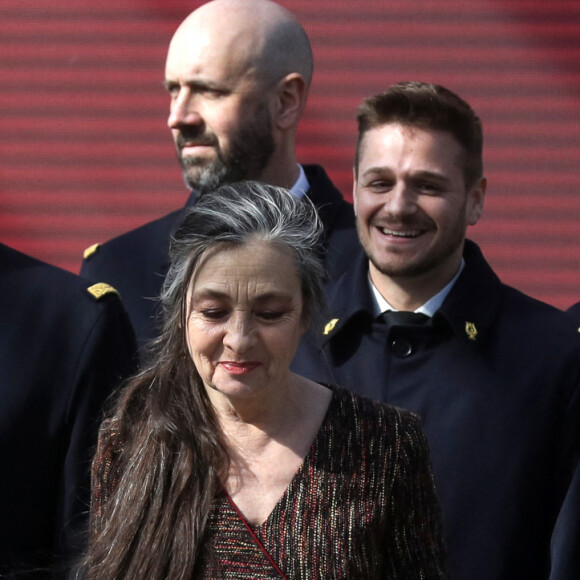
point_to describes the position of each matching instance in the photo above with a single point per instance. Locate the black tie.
(403, 318)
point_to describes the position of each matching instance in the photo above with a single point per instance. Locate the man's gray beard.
(251, 150)
(209, 177)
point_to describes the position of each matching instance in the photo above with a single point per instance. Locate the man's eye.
(172, 89)
(212, 93)
(427, 187)
(379, 185)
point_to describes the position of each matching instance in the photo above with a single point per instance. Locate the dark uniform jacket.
(575, 311)
(136, 262)
(496, 380)
(62, 349)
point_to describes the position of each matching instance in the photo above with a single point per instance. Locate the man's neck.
(282, 171)
(410, 293)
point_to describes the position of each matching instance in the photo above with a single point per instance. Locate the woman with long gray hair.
(218, 461)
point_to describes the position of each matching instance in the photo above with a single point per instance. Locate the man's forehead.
(204, 53)
(400, 132)
(428, 150)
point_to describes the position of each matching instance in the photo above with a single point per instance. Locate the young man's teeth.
(413, 234)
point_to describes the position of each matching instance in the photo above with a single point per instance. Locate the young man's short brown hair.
(426, 106)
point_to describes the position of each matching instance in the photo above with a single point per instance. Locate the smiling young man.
(421, 321)
(413, 207)
(238, 74)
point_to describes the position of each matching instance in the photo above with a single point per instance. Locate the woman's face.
(245, 318)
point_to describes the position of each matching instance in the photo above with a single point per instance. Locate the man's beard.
(428, 260)
(251, 148)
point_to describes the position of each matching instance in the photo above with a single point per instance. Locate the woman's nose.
(240, 333)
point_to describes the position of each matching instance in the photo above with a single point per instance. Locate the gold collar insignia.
(471, 330)
(330, 326)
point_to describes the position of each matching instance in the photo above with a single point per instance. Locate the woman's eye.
(270, 315)
(214, 313)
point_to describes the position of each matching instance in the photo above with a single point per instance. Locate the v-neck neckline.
(261, 528)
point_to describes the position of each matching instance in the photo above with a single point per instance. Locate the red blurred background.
(85, 153)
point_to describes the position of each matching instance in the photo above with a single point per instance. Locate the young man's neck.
(408, 293)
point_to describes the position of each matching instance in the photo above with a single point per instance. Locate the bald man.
(238, 74)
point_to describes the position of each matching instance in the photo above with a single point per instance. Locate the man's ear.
(354, 189)
(291, 94)
(476, 196)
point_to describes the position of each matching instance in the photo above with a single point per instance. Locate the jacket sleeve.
(107, 355)
(417, 546)
(565, 546)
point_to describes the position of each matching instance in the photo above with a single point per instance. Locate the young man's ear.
(354, 189)
(291, 93)
(476, 196)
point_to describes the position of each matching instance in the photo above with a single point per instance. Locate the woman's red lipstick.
(239, 368)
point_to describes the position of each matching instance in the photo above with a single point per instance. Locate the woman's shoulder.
(360, 422)
(104, 469)
(360, 408)
(370, 436)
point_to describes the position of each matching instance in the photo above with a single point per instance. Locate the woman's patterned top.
(361, 506)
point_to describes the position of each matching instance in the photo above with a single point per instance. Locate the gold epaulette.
(100, 290)
(90, 251)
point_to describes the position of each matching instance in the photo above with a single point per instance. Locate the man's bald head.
(265, 40)
(238, 73)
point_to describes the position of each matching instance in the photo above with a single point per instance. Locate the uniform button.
(402, 347)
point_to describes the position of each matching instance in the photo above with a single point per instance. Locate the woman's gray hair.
(235, 214)
(168, 453)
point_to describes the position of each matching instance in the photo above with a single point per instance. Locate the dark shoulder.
(532, 316)
(323, 193)
(32, 282)
(575, 312)
(152, 236)
(337, 216)
(368, 418)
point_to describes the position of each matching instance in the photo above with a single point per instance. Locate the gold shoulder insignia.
(471, 330)
(330, 326)
(97, 291)
(90, 251)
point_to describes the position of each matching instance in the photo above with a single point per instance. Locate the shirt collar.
(381, 305)
(299, 189)
(301, 186)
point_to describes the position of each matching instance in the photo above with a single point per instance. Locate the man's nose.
(183, 110)
(401, 200)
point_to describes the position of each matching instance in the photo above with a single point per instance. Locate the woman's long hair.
(162, 450)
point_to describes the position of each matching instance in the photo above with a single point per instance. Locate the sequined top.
(361, 506)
